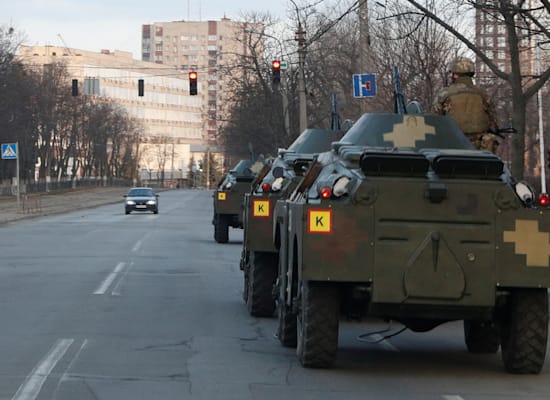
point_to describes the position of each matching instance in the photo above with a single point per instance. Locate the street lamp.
(541, 125)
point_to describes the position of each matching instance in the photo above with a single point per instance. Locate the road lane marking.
(452, 397)
(65, 375)
(110, 278)
(116, 291)
(30, 389)
(139, 243)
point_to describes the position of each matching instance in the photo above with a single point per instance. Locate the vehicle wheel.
(127, 212)
(221, 229)
(244, 266)
(287, 329)
(318, 320)
(481, 336)
(262, 273)
(156, 212)
(524, 331)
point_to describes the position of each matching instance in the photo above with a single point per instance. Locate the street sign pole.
(17, 177)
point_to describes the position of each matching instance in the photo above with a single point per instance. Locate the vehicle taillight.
(325, 192)
(544, 199)
(266, 187)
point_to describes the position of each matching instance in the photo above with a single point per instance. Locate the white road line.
(110, 278)
(379, 339)
(65, 375)
(30, 389)
(116, 289)
(137, 245)
(452, 397)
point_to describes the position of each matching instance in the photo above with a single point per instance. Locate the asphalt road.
(95, 304)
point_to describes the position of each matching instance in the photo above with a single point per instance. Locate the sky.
(94, 25)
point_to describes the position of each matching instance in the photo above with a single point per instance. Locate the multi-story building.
(171, 119)
(207, 47)
(491, 38)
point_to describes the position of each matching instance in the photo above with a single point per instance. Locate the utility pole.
(364, 45)
(300, 38)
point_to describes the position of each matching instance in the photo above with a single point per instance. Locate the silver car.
(141, 199)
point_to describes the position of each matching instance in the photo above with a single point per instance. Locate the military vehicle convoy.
(259, 259)
(228, 198)
(405, 221)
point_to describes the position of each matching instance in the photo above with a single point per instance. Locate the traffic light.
(193, 83)
(140, 87)
(276, 72)
(75, 87)
(548, 158)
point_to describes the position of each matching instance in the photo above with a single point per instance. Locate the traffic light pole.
(300, 38)
(541, 125)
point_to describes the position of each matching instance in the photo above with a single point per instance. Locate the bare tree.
(521, 20)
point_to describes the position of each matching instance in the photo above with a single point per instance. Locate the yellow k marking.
(320, 221)
(406, 134)
(260, 208)
(530, 241)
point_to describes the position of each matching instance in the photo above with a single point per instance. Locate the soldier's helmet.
(462, 65)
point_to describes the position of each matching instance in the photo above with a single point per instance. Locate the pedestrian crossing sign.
(9, 151)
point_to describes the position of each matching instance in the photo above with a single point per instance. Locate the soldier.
(469, 106)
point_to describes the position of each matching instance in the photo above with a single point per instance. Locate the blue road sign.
(9, 151)
(364, 85)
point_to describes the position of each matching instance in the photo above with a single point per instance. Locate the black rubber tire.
(221, 229)
(318, 320)
(244, 261)
(524, 331)
(262, 273)
(287, 330)
(481, 337)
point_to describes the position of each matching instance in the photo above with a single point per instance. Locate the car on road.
(141, 199)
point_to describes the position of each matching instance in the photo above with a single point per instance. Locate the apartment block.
(171, 119)
(207, 47)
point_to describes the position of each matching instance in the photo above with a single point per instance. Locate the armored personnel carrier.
(405, 221)
(259, 259)
(228, 198)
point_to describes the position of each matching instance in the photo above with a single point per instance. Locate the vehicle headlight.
(151, 202)
(131, 202)
(340, 188)
(277, 184)
(525, 192)
(228, 185)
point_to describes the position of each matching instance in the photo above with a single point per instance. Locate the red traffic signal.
(193, 88)
(276, 72)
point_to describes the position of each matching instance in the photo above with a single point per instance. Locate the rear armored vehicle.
(228, 198)
(259, 259)
(404, 220)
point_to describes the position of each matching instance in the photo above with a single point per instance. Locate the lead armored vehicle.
(259, 259)
(228, 198)
(412, 224)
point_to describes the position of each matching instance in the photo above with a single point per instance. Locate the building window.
(501, 41)
(212, 37)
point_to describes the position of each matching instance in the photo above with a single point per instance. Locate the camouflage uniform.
(471, 109)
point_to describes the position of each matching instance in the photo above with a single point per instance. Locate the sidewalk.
(56, 202)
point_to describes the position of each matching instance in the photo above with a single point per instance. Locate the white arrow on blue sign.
(9, 151)
(364, 85)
